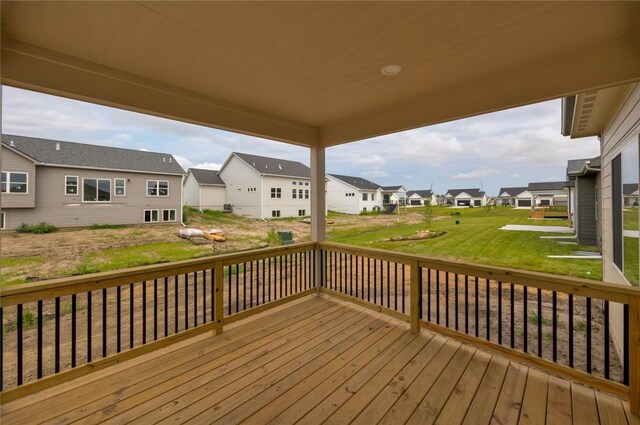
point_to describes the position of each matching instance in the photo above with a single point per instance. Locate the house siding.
(586, 223)
(54, 207)
(12, 162)
(239, 177)
(287, 206)
(624, 124)
(212, 197)
(191, 192)
(337, 199)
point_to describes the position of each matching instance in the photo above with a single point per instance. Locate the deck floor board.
(319, 360)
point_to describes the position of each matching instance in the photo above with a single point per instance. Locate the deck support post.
(218, 296)
(318, 209)
(634, 355)
(415, 297)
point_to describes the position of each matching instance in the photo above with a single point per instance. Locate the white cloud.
(371, 160)
(477, 174)
(208, 165)
(184, 162)
(374, 173)
(144, 149)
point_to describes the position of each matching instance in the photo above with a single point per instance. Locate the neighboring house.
(465, 198)
(630, 195)
(352, 195)
(204, 189)
(263, 187)
(584, 199)
(613, 114)
(421, 197)
(548, 194)
(518, 197)
(73, 184)
(394, 195)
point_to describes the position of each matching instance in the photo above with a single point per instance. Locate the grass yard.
(630, 219)
(478, 239)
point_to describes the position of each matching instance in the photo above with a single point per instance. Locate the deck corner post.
(634, 354)
(415, 297)
(318, 209)
(218, 296)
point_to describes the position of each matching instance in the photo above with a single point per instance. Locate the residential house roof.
(474, 193)
(512, 191)
(357, 182)
(630, 189)
(538, 186)
(207, 177)
(82, 155)
(577, 167)
(274, 166)
(392, 188)
(422, 193)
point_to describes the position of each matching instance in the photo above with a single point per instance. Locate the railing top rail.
(35, 291)
(565, 284)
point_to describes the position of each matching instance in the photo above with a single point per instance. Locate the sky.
(501, 149)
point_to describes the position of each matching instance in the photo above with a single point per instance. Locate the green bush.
(36, 228)
(186, 212)
(107, 226)
(273, 238)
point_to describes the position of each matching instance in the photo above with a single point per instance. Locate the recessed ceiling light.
(391, 70)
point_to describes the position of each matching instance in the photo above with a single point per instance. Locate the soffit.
(311, 70)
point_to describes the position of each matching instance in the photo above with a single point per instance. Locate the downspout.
(182, 202)
(262, 196)
(200, 197)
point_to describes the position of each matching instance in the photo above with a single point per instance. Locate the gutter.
(182, 202)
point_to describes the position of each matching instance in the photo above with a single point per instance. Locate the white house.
(518, 197)
(421, 197)
(204, 189)
(465, 198)
(549, 193)
(394, 195)
(352, 195)
(263, 187)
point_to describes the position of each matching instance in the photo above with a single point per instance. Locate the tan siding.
(191, 192)
(11, 161)
(213, 197)
(53, 206)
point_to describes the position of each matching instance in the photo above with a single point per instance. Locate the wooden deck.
(319, 360)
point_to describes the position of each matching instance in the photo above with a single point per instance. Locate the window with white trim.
(275, 213)
(13, 182)
(151, 216)
(364, 197)
(119, 187)
(169, 215)
(157, 188)
(299, 193)
(302, 213)
(306, 194)
(294, 193)
(96, 190)
(70, 185)
(276, 192)
(3, 223)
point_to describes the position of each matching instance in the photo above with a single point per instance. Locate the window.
(364, 209)
(364, 197)
(3, 223)
(250, 189)
(302, 213)
(157, 188)
(373, 197)
(306, 183)
(294, 183)
(168, 215)
(306, 194)
(71, 185)
(276, 192)
(96, 190)
(293, 193)
(275, 213)
(151, 216)
(14, 182)
(119, 187)
(299, 193)
(625, 183)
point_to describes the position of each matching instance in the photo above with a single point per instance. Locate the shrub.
(186, 211)
(427, 214)
(107, 226)
(36, 228)
(273, 238)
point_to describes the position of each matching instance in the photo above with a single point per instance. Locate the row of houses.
(535, 194)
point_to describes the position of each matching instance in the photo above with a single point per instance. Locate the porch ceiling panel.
(309, 73)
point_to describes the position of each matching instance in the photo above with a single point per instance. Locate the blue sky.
(507, 148)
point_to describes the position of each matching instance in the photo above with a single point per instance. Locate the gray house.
(73, 184)
(584, 199)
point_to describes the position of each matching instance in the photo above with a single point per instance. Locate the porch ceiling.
(309, 73)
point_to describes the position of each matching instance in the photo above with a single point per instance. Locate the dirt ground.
(65, 250)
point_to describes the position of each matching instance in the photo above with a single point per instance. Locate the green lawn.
(630, 219)
(478, 239)
(631, 267)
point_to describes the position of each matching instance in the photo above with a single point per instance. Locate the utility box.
(286, 237)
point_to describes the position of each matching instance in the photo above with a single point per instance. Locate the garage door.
(416, 202)
(463, 202)
(524, 202)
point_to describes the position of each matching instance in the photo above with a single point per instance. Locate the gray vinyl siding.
(12, 162)
(53, 206)
(586, 212)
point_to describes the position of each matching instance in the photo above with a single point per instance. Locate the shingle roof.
(358, 182)
(512, 191)
(576, 166)
(629, 189)
(546, 185)
(207, 177)
(474, 193)
(391, 188)
(422, 193)
(275, 166)
(54, 152)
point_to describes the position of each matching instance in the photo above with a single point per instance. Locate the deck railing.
(561, 324)
(83, 323)
(79, 324)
